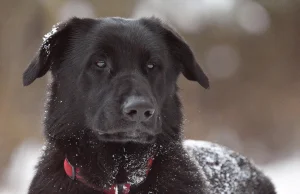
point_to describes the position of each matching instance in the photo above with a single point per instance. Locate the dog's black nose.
(138, 109)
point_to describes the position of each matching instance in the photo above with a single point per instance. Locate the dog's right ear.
(52, 49)
(179, 49)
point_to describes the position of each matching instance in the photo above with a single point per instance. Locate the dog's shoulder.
(227, 171)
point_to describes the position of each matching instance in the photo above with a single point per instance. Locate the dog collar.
(74, 174)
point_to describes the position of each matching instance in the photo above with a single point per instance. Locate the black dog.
(113, 119)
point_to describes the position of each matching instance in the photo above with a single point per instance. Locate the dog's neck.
(106, 164)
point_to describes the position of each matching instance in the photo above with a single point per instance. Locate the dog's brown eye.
(100, 64)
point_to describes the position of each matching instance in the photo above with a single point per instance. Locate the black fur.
(84, 121)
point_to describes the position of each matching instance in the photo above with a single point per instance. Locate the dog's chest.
(133, 168)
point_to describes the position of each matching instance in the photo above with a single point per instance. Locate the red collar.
(73, 173)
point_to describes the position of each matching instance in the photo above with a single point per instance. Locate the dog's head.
(114, 76)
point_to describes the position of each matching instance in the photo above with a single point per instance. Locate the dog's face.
(113, 76)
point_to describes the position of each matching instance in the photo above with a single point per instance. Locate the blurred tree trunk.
(20, 29)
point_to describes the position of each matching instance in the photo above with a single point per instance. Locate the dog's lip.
(129, 131)
(128, 137)
(129, 134)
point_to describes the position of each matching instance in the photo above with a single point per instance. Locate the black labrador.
(113, 118)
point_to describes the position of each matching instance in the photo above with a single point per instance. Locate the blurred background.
(249, 49)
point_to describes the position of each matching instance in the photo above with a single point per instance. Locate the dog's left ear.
(41, 62)
(180, 51)
(53, 48)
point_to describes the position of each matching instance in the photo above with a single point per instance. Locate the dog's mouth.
(124, 137)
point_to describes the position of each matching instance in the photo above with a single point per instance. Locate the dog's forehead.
(126, 35)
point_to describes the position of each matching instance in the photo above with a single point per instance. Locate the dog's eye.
(150, 66)
(100, 64)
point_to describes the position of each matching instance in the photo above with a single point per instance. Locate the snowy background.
(249, 49)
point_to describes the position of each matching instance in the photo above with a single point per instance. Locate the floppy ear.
(51, 49)
(180, 51)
